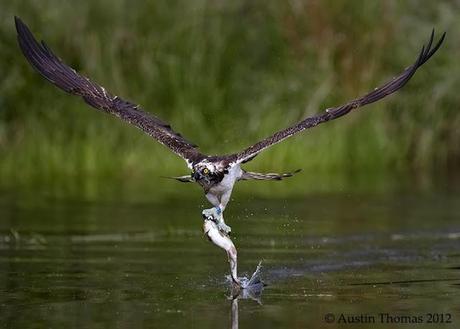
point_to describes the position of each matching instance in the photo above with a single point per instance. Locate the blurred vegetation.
(225, 74)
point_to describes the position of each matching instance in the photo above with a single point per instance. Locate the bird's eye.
(205, 171)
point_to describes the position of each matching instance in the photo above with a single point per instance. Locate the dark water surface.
(74, 264)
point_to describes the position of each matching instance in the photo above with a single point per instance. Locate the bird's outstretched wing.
(333, 113)
(54, 70)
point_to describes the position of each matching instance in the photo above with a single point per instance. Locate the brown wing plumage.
(66, 78)
(336, 112)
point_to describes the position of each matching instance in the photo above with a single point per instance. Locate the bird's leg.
(222, 204)
(212, 213)
(220, 221)
(216, 214)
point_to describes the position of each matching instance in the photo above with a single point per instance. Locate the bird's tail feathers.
(248, 175)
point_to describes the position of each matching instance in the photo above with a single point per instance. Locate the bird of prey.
(216, 174)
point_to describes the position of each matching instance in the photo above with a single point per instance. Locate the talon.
(215, 215)
(210, 214)
(237, 283)
(224, 227)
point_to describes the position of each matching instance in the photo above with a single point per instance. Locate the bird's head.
(206, 172)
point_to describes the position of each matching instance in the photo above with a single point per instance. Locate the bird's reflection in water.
(234, 313)
(253, 291)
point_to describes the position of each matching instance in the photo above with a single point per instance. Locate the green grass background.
(225, 74)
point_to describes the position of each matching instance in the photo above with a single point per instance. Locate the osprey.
(216, 174)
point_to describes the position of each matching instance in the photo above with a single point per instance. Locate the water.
(117, 264)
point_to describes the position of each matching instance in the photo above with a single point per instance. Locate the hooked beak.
(197, 176)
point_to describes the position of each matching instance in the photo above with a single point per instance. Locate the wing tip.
(428, 50)
(18, 22)
(21, 27)
(292, 173)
